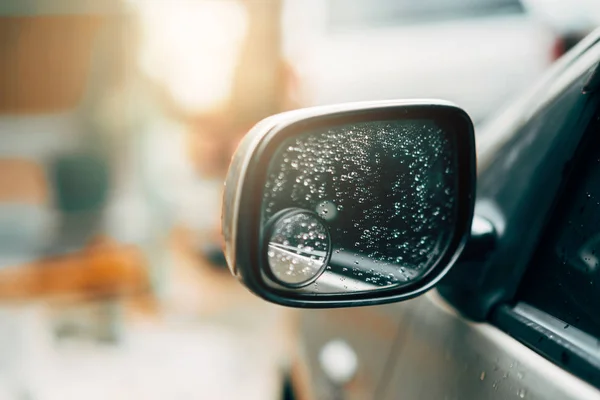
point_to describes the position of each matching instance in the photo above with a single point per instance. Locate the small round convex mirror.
(298, 247)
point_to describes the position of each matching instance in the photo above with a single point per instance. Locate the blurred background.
(117, 122)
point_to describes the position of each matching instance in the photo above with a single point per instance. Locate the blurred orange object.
(104, 269)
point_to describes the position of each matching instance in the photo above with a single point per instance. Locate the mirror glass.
(358, 207)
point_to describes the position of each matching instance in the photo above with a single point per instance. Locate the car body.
(363, 50)
(492, 329)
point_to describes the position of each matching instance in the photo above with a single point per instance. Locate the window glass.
(564, 279)
(375, 13)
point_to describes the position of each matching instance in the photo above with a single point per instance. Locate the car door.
(366, 335)
(532, 330)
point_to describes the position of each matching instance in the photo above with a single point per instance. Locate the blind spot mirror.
(298, 247)
(354, 204)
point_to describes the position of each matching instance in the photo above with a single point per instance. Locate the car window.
(358, 14)
(564, 278)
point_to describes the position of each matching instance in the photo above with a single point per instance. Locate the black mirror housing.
(352, 204)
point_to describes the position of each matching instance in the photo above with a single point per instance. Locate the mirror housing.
(376, 200)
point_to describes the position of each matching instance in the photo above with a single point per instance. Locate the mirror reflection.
(383, 192)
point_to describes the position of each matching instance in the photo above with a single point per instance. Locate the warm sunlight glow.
(192, 47)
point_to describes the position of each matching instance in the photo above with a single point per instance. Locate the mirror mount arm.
(482, 241)
(467, 275)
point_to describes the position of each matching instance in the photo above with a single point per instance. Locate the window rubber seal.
(568, 347)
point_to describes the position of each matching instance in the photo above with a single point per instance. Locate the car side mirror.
(354, 204)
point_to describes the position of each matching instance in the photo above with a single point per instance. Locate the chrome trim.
(576, 337)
